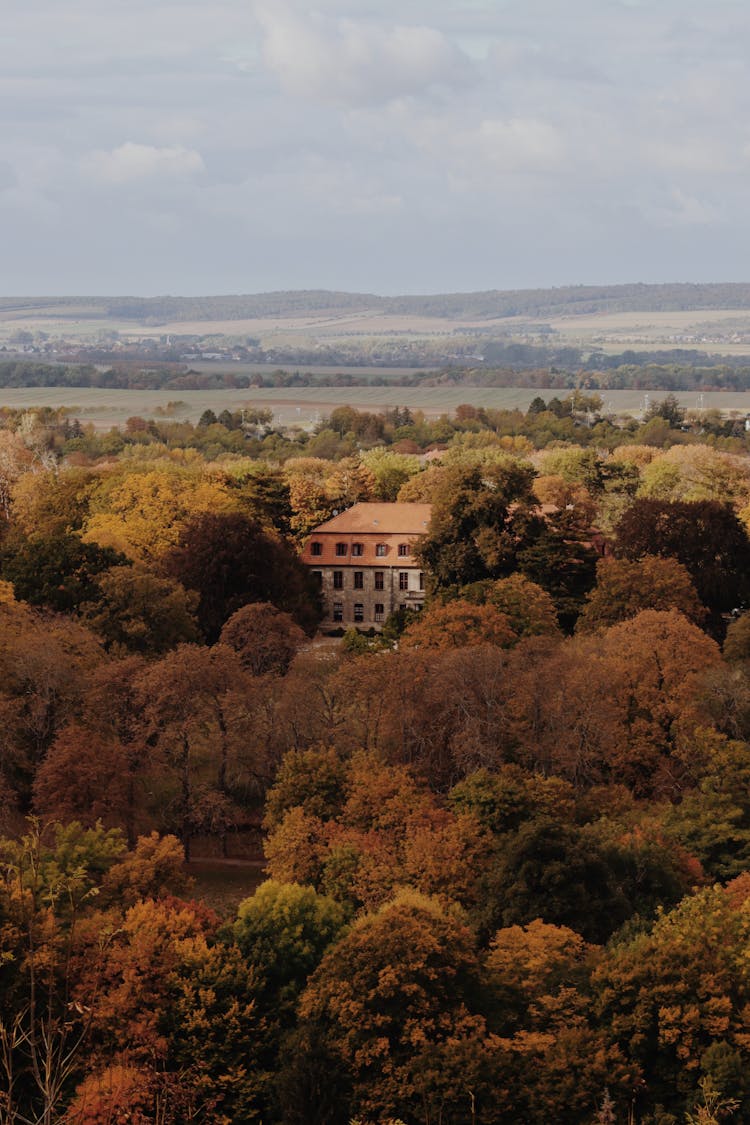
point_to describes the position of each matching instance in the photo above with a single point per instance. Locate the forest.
(503, 364)
(563, 300)
(506, 840)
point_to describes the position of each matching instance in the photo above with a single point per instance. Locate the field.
(725, 329)
(305, 406)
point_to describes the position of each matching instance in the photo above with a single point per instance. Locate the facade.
(363, 561)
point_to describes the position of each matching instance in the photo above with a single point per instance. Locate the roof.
(381, 533)
(382, 519)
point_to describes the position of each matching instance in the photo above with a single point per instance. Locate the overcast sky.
(390, 146)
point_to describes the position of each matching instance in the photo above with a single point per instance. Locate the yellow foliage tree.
(143, 513)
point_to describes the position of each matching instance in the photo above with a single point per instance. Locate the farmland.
(606, 318)
(305, 406)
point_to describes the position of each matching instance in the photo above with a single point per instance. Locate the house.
(363, 561)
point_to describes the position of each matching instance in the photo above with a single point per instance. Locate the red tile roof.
(391, 519)
(370, 526)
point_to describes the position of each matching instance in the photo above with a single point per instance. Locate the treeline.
(506, 365)
(383, 451)
(161, 375)
(567, 300)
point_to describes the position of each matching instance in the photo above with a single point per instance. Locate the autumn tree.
(84, 777)
(458, 624)
(197, 715)
(425, 487)
(606, 708)
(391, 471)
(530, 609)
(503, 800)
(349, 481)
(265, 638)
(560, 1059)
(624, 588)
(694, 473)
(737, 641)
(16, 460)
(391, 1002)
(313, 780)
(47, 883)
(654, 658)
(669, 1009)
(705, 536)
(142, 514)
(45, 664)
(51, 504)
(180, 1007)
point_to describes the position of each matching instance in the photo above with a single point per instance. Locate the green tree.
(705, 536)
(139, 611)
(230, 561)
(479, 518)
(283, 930)
(59, 573)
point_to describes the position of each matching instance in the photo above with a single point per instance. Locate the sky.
(387, 146)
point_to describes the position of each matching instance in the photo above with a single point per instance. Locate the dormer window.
(340, 549)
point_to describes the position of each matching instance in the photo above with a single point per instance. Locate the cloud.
(682, 209)
(466, 148)
(519, 144)
(8, 178)
(132, 162)
(343, 61)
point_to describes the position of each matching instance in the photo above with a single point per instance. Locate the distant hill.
(573, 300)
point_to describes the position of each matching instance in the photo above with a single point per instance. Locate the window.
(318, 577)
(421, 580)
(403, 580)
(379, 611)
(316, 548)
(380, 550)
(338, 611)
(359, 580)
(403, 550)
(357, 549)
(338, 580)
(379, 576)
(341, 549)
(359, 611)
